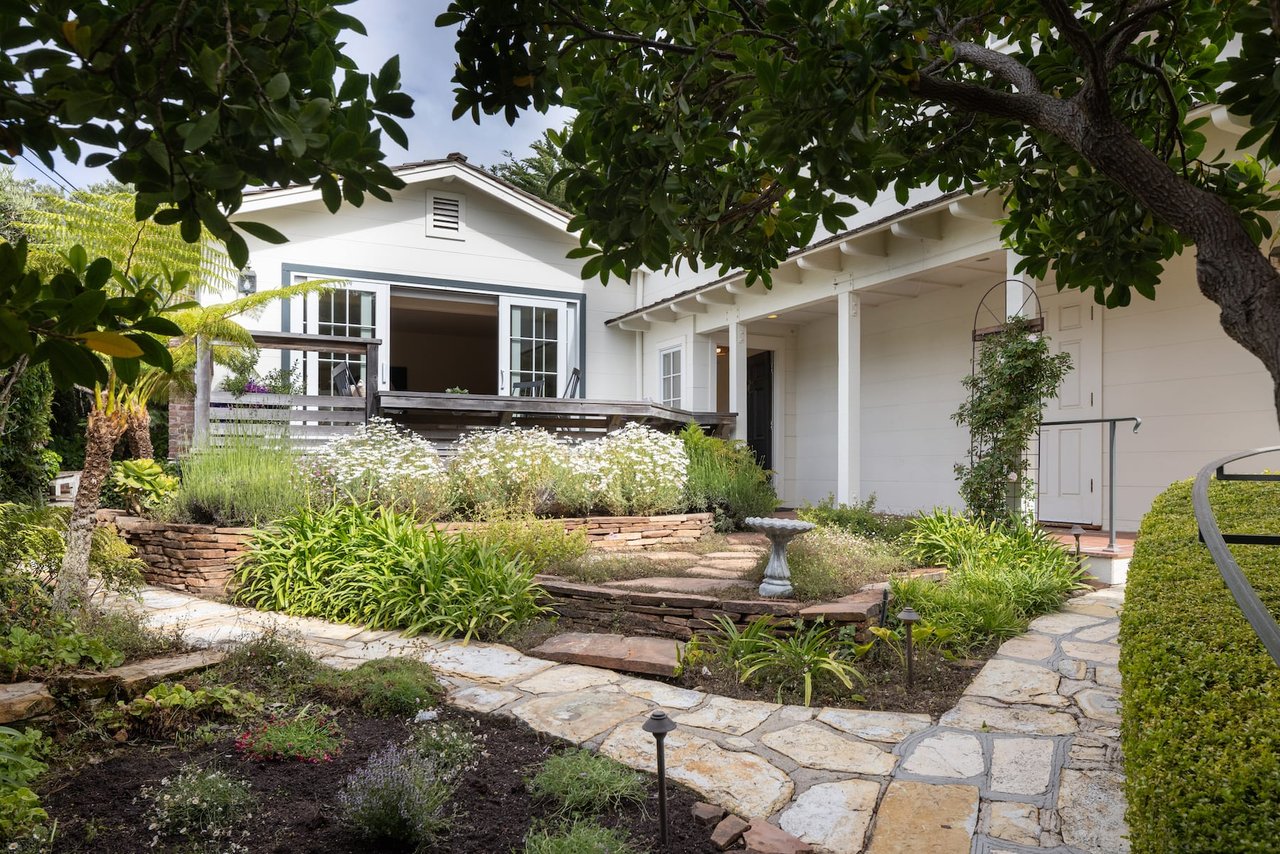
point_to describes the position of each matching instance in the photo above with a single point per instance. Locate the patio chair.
(535, 386)
(571, 387)
(342, 382)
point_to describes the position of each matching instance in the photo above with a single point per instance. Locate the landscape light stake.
(659, 724)
(884, 607)
(909, 617)
(1077, 532)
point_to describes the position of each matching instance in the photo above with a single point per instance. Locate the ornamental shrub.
(508, 472)
(25, 471)
(725, 478)
(205, 805)
(827, 563)
(246, 480)
(633, 471)
(377, 567)
(860, 518)
(383, 463)
(1001, 575)
(1201, 725)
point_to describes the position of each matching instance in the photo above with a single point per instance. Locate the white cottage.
(843, 376)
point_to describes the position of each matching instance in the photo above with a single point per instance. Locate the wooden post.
(371, 386)
(204, 388)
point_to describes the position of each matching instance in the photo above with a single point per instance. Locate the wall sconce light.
(247, 282)
(771, 317)
(720, 351)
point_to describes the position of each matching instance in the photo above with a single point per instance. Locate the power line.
(61, 182)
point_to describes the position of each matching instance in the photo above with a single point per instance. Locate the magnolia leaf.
(111, 344)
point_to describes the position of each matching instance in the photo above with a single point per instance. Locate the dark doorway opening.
(760, 407)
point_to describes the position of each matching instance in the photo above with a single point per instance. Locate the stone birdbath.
(777, 575)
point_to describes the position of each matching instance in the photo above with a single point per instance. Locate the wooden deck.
(443, 417)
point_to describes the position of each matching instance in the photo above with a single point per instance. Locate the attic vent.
(445, 215)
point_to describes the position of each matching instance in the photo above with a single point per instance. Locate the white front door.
(1070, 484)
(533, 351)
(358, 310)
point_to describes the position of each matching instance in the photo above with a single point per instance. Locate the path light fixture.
(909, 617)
(1077, 532)
(659, 724)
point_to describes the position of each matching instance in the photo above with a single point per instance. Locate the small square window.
(671, 374)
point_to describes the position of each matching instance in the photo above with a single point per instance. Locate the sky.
(407, 28)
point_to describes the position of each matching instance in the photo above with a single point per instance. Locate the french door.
(358, 310)
(534, 353)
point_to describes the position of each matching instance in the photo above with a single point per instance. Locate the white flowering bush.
(633, 471)
(385, 464)
(507, 472)
(197, 804)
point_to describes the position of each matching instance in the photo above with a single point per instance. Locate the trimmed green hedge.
(1201, 730)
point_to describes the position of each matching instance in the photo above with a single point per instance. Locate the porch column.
(204, 388)
(738, 377)
(848, 398)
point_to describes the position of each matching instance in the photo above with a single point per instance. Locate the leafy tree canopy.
(536, 172)
(727, 131)
(188, 103)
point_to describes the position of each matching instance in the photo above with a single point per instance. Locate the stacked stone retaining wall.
(195, 558)
(680, 615)
(630, 532)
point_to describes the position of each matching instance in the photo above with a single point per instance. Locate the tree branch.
(1028, 108)
(1078, 37)
(997, 63)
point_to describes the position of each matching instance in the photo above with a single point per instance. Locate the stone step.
(22, 700)
(131, 680)
(649, 655)
(678, 584)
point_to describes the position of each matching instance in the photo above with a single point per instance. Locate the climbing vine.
(1014, 377)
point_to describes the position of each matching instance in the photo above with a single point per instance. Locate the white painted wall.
(1200, 394)
(502, 246)
(814, 412)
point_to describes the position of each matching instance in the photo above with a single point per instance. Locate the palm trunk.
(104, 430)
(139, 434)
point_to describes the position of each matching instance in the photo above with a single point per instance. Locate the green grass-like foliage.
(724, 478)
(577, 838)
(20, 764)
(387, 687)
(357, 564)
(246, 480)
(1001, 575)
(858, 518)
(830, 562)
(1201, 729)
(309, 735)
(798, 660)
(584, 784)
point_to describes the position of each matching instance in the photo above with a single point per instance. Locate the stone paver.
(1028, 758)
(741, 782)
(948, 754)
(921, 818)
(834, 816)
(656, 656)
(891, 727)
(814, 746)
(735, 717)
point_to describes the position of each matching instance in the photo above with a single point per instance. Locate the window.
(535, 349)
(345, 312)
(446, 215)
(670, 372)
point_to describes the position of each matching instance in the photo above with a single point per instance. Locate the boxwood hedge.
(1201, 731)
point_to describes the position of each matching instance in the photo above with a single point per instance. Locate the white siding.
(815, 412)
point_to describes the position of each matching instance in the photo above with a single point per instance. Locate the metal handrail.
(1111, 485)
(1259, 617)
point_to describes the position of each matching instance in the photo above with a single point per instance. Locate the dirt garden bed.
(99, 808)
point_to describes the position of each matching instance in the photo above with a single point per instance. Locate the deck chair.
(571, 387)
(343, 385)
(535, 386)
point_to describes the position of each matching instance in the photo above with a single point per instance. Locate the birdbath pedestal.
(777, 575)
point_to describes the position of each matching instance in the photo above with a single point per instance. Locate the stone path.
(1028, 760)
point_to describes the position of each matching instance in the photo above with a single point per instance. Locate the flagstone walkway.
(1028, 760)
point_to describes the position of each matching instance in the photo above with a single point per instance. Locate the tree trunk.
(139, 434)
(104, 430)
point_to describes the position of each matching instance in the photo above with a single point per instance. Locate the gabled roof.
(452, 168)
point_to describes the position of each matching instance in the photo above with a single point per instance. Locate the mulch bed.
(937, 687)
(98, 807)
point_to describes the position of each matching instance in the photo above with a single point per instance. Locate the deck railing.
(1255, 611)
